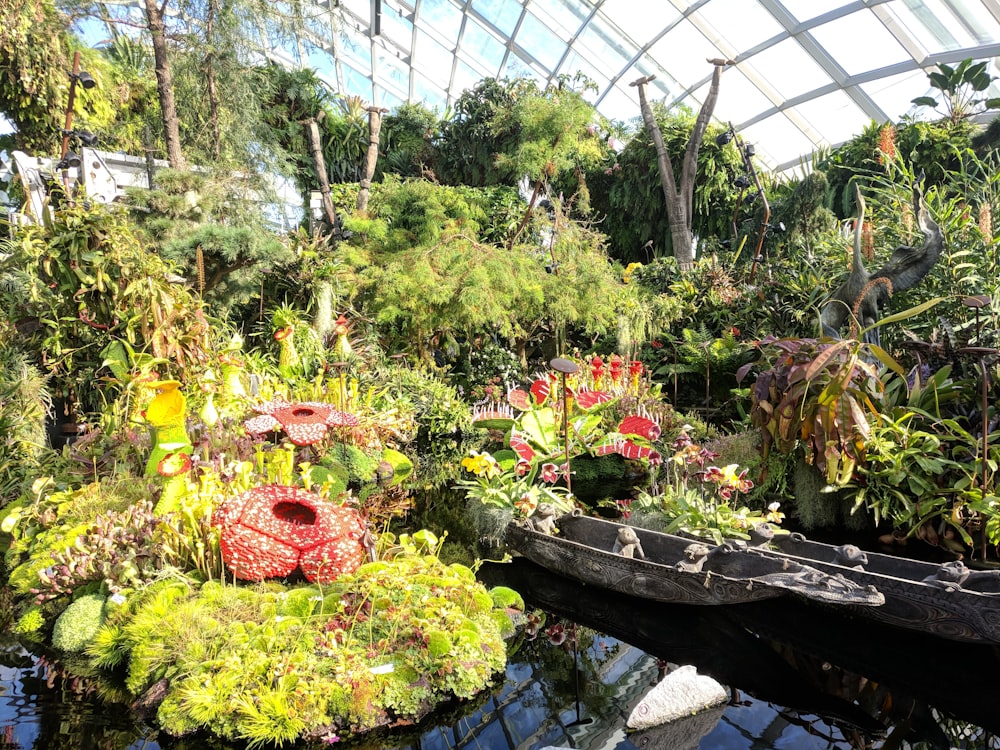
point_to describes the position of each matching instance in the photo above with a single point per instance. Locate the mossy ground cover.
(265, 663)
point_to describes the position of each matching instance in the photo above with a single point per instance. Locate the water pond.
(799, 678)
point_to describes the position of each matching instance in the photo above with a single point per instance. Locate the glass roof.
(808, 73)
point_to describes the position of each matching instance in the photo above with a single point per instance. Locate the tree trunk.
(165, 84)
(371, 158)
(536, 191)
(679, 200)
(689, 170)
(316, 145)
(213, 93)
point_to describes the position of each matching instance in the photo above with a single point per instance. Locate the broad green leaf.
(908, 313)
(887, 359)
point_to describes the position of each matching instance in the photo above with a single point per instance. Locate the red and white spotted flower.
(274, 530)
(305, 422)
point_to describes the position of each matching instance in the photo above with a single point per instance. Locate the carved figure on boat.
(627, 544)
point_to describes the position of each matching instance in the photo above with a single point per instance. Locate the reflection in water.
(42, 710)
(801, 677)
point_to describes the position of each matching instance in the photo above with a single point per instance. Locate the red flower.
(616, 368)
(270, 531)
(305, 422)
(656, 344)
(596, 367)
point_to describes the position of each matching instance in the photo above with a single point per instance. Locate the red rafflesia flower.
(271, 531)
(305, 422)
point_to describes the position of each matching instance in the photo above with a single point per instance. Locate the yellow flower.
(729, 476)
(481, 464)
(773, 514)
(629, 270)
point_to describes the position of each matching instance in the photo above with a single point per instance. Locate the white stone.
(682, 692)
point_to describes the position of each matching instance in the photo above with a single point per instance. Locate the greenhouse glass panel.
(361, 8)
(466, 77)
(860, 42)
(738, 97)
(788, 69)
(428, 94)
(740, 24)
(563, 16)
(836, 117)
(895, 94)
(396, 27)
(441, 18)
(435, 59)
(486, 47)
(605, 46)
(540, 41)
(503, 14)
(779, 141)
(940, 26)
(683, 55)
(805, 10)
(640, 24)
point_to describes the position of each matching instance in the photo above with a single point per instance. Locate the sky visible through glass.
(808, 73)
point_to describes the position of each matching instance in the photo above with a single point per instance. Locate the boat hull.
(946, 600)
(584, 549)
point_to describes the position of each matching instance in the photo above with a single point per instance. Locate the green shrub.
(79, 623)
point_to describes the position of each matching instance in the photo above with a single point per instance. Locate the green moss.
(174, 718)
(29, 623)
(79, 623)
(504, 597)
(270, 664)
(333, 476)
(818, 508)
(438, 643)
(483, 601)
(360, 466)
(301, 602)
(505, 623)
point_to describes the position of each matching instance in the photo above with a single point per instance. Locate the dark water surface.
(800, 678)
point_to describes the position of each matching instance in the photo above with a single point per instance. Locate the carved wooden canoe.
(667, 568)
(947, 599)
